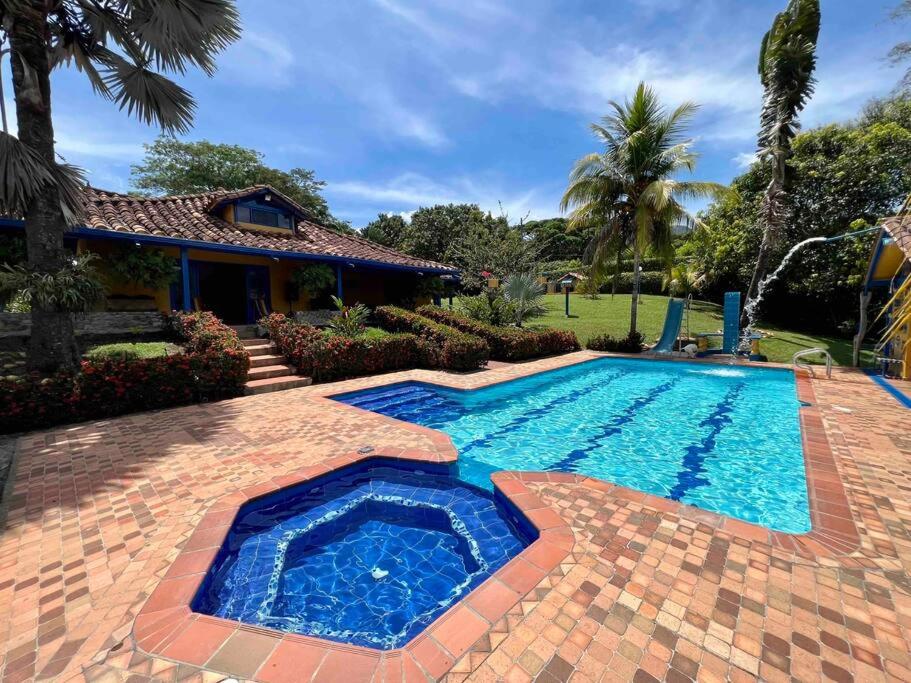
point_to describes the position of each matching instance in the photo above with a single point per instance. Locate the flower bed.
(324, 357)
(214, 365)
(507, 343)
(446, 346)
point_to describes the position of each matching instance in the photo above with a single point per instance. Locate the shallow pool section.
(723, 438)
(368, 556)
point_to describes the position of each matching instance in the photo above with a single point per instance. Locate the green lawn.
(131, 351)
(611, 315)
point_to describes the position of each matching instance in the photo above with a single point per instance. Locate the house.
(235, 252)
(890, 264)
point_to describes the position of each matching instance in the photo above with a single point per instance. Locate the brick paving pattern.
(652, 590)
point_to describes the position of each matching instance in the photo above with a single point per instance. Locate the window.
(262, 215)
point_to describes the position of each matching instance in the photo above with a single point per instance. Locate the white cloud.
(744, 160)
(409, 191)
(392, 117)
(260, 58)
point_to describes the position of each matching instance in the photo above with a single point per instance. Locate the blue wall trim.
(896, 393)
(95, 233)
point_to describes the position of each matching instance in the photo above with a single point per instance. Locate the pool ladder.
(809, 368)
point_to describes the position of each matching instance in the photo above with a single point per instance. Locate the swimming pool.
(723, 438)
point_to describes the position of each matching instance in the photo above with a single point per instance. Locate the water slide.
(671, 327)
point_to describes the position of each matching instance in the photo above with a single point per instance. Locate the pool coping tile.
(167, 627)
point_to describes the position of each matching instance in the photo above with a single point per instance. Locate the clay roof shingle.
(188, 217)
(899, 227)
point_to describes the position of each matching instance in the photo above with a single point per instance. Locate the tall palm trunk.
(52, 344)
(634, 299)
(772, 216)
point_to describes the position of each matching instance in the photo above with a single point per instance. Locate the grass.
(611, 315)
(131, 351)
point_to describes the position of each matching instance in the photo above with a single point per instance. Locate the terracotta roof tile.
(187, 217)
(899, 227)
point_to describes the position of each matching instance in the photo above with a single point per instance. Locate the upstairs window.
(262, 215)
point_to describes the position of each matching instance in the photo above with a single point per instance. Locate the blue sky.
(403, 103)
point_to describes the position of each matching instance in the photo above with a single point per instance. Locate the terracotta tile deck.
(101, 513)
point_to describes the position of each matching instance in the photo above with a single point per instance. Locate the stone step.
(254, 341)
(265, 386)
(244, 331)
(266, 359)
(267, 371)
(262, 350)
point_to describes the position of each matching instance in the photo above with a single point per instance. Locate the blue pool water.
(723, 438)
(369, 556)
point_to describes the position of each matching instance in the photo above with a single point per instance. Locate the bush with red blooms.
(507, 343)
(445, 347)
(324, 357)
(214, 365)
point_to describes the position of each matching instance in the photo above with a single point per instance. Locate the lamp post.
(567, 283)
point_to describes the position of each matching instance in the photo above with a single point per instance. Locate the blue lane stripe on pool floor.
(571, 461)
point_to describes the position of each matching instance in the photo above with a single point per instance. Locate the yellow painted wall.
(890, 260)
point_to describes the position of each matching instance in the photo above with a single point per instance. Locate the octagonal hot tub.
(368, 555)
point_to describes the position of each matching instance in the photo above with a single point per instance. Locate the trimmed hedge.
(507, 343)
(446, 346)
(214, 365)
(631, 343)
(324, 357)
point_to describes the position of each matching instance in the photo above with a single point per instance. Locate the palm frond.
(153, 97)
(24, 174)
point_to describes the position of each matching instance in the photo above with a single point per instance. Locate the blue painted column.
(339, 292)
(185, 278)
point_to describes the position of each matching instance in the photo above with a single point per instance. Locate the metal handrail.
(807, 366)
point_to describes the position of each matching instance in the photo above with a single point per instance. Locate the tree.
(629, 191)
(388, 229)
(494, 248)
(434, 230)
(173, 166)
(123, 49)
(844, 176)
(787, 58)
(556, 242)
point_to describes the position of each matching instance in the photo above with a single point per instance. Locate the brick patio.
(99, 513)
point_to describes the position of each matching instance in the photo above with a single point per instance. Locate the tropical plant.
(526, 296)
(629, 191)
(313, 278)
(488, 307)
(351, 321)
(683, 279)
(143, 267)
(787, 59)
(123, 49)
(75, 287)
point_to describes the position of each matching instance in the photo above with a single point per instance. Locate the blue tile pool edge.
(893, 391)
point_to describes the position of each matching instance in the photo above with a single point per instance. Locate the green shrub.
(325, 356)
(631, 343)
(214, 365)
(128, 351)
(446, 346)
(507, 343)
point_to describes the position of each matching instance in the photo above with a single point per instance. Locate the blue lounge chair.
(730, 336)
(671, 327)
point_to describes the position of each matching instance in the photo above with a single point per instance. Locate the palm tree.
(787, 59)
(122, 48)
(629, 190)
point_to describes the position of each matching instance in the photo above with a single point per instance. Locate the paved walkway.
(652, 590)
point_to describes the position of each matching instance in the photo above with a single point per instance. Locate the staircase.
(269, 370)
